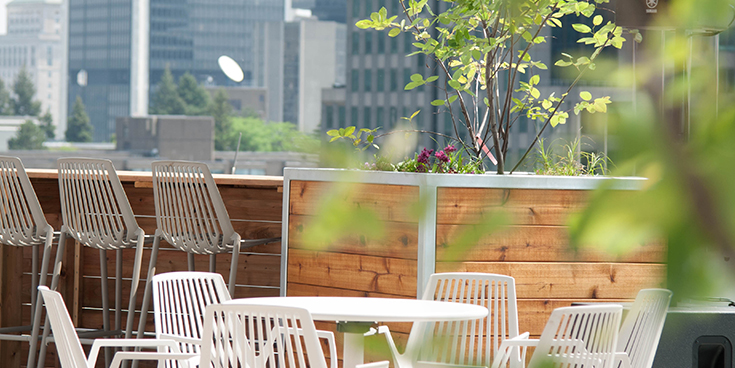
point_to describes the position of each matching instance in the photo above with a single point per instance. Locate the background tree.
(261, 136)
(47, 124)
(24, 91)
(195, 97)
(166, 100)
(78, 128)
(6, 107)
(29, 137)
(221, 110)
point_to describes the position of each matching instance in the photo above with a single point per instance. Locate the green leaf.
(597, 20)
(411, 86)
(563, 63)
(348, 131)
(581, 28)
(534, 80)
(364, 24)
(333, 132)
(431, 79)
(454, 84)
(546, 104)
(585, 95)
(394, 32)
(414, 114)
(418, 78)
(434, 103)
(555, 22)
(452, 99)
(535, 93)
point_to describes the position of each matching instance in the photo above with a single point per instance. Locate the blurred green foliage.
(688, 201)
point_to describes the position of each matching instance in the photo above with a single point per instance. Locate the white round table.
(360, 309)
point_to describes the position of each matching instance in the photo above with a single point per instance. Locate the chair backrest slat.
(190, 213)
(641, 329)
(582, 336)
(179, 302)
(467, 342)
(94, 207)
(68, 346)
(22, 222)
(259, 337)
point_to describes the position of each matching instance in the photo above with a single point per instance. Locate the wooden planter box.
(534, 249)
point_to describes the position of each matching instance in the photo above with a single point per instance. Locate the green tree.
(47, 124)
(78, 128)
(29, 137)
(260, 136)
(6, 107)
(221, 110)
(195, 97)
(166, 100)
(25, 91)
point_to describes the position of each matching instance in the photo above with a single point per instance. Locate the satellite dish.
(82, 78)
(231, 69)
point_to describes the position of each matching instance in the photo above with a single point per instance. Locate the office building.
(123, 46)
(34, 42)
(314, 59)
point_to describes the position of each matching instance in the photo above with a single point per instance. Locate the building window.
(355, 80)
(353, 116)
(394, 45)
(381, 43)
(368, 43)
(380, 117)
(406, 76)
(342, 119)
(50, 57)
(393, 80)
(356, 9)
(368, 7)
(368, 80)
(408, 43)
(330, 118)
(355, 43)
(393, 118)
(381, 80)
(367, 118)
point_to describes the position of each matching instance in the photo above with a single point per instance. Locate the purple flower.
(450, 148)
(424, 156)
(442, 156)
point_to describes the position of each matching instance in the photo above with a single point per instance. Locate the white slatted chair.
(641, 329)
(22, 224)
(574, 337)
(461, 343)
(179, 302)
(96, 213)
(258, 336)
(71, 354)
(191, 217)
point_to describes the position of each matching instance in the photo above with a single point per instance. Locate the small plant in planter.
(481, 49)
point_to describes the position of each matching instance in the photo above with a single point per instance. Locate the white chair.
(641, 329)
(471, 343)
(69, 348)
(22, 224)
(96, 213)
(191, 217)
(179, 302)
(574, 337)
(258, 336)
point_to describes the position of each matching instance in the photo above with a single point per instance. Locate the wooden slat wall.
(534, 249)
(253, 203)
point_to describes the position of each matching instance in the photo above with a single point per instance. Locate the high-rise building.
(314, 59)
(376, 74)
(123, 46)
(330, 10)
(34, 42)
